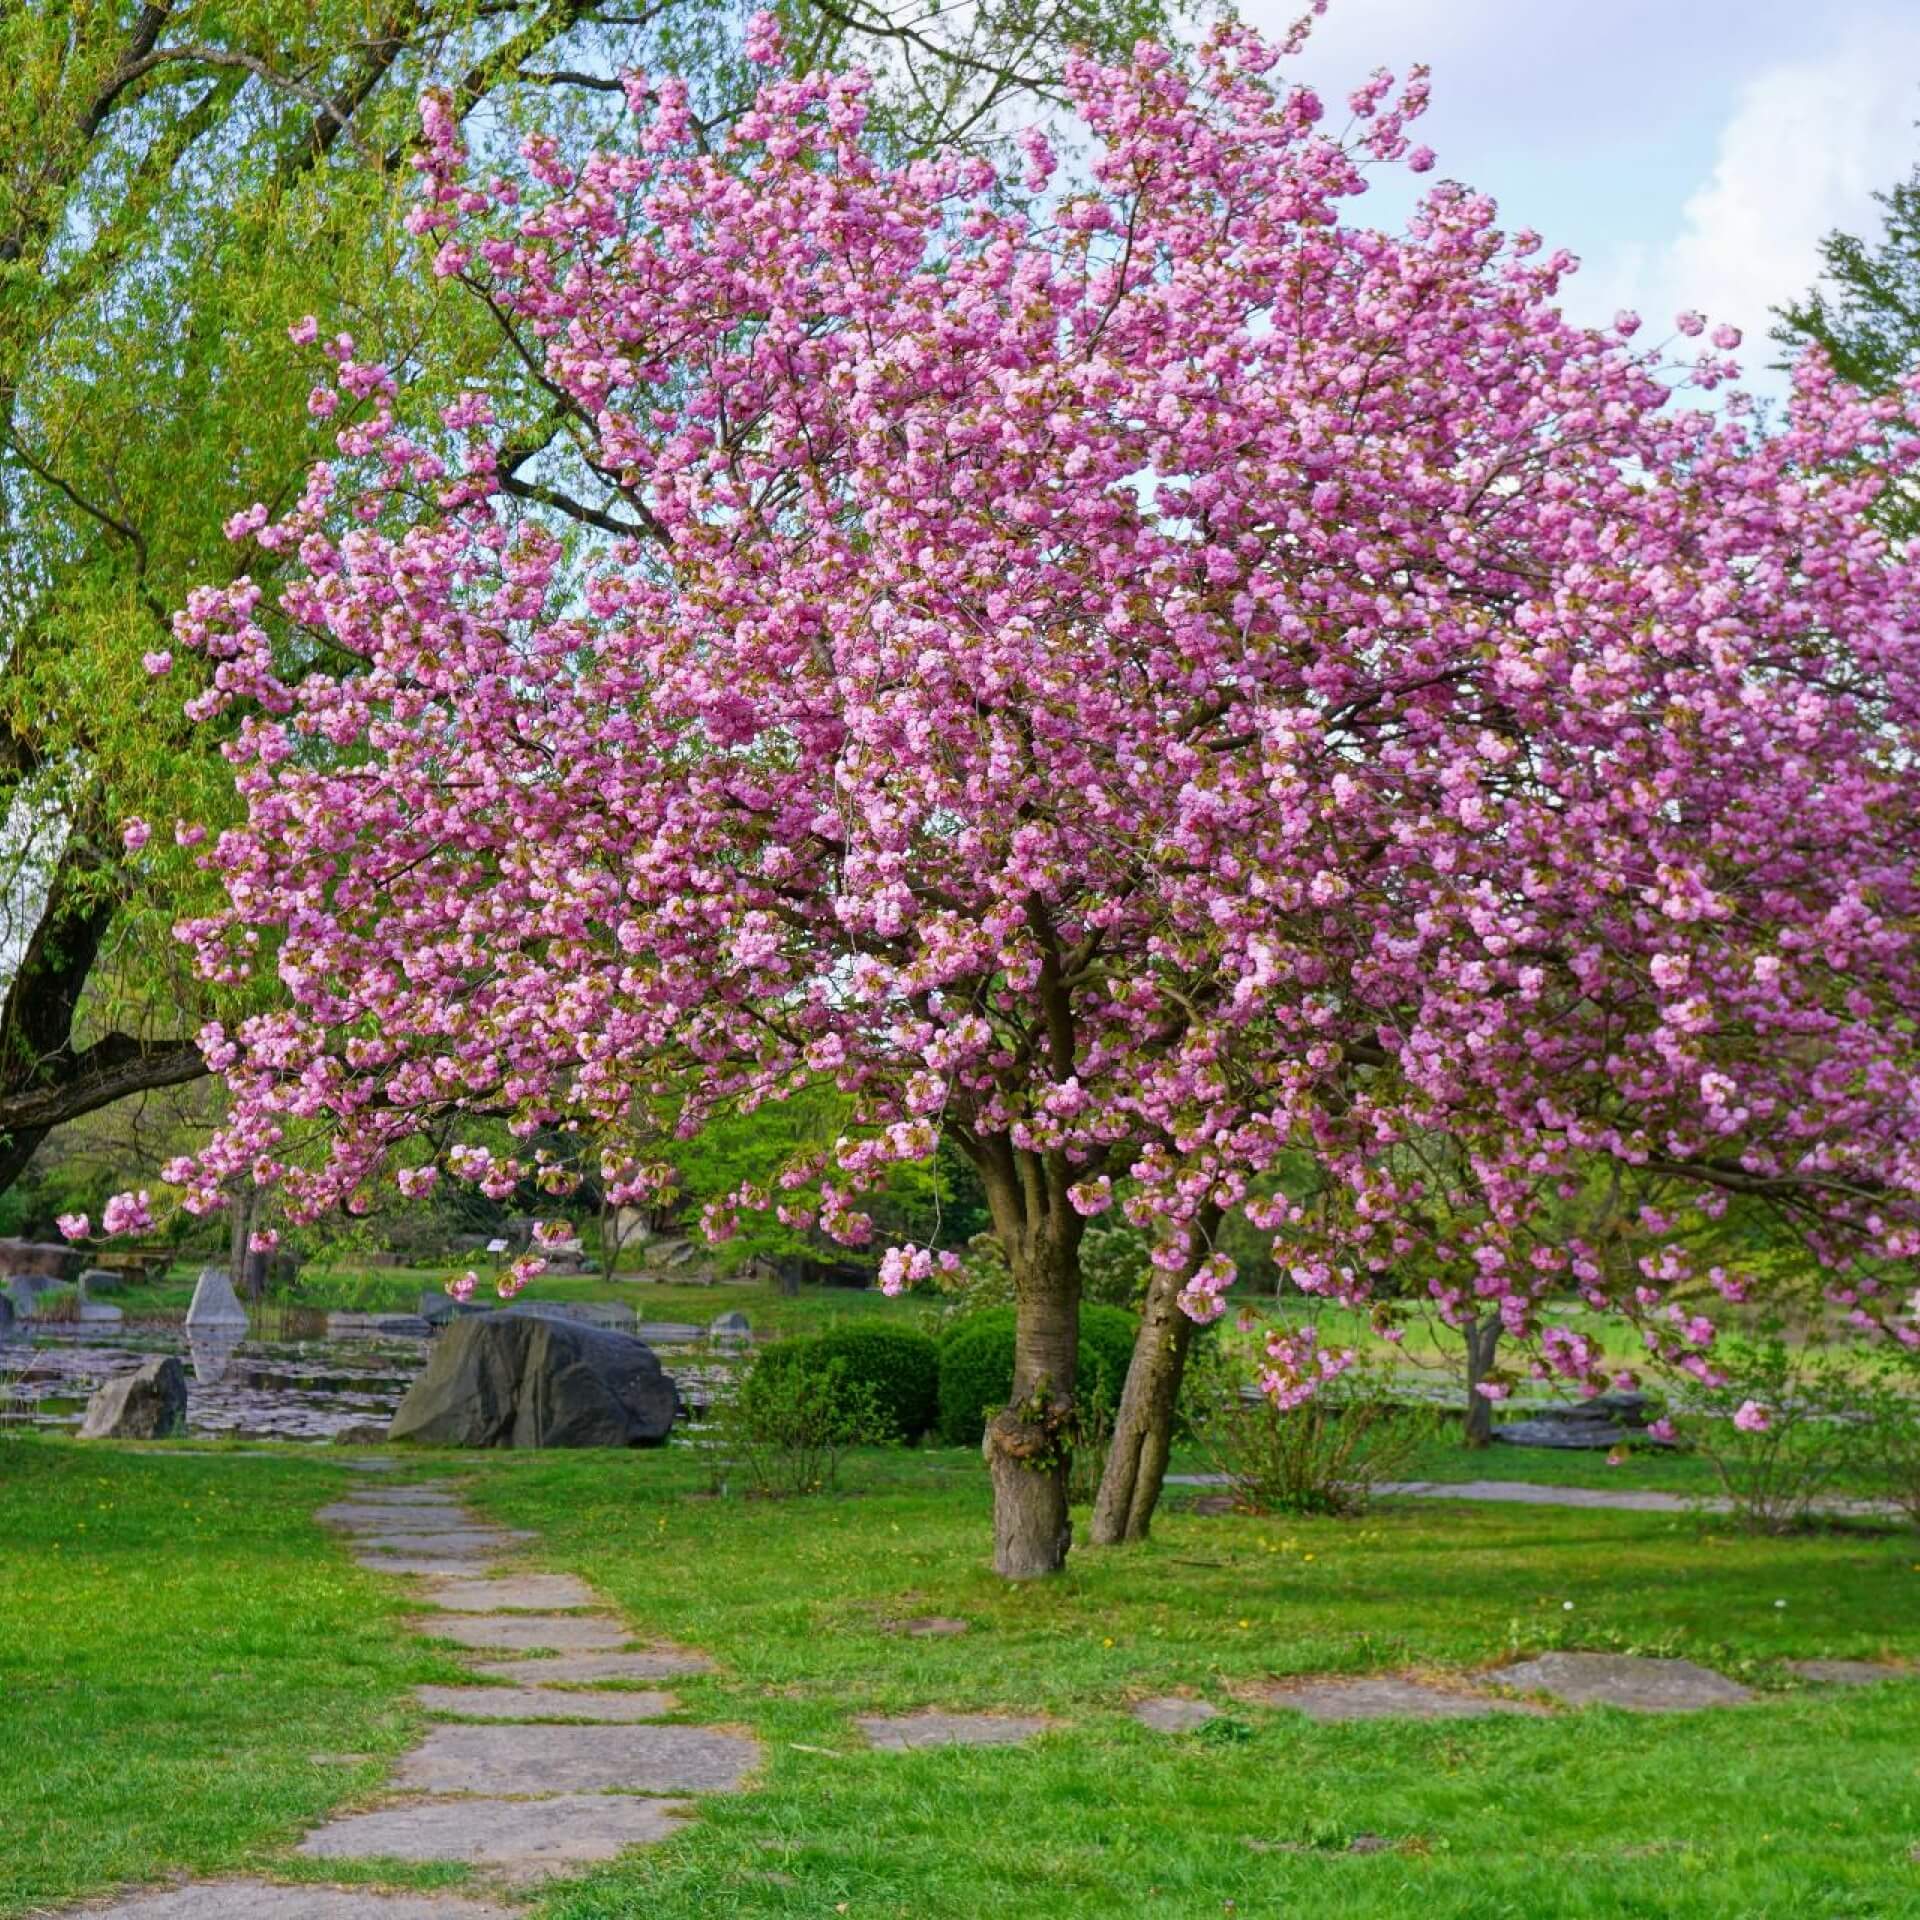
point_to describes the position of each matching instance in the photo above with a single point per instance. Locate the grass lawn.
(183, 1656)
(185, 1659)
(390, 1290)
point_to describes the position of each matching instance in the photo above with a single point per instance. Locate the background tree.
(1865, 315)
(179, 179)
(1139, 678)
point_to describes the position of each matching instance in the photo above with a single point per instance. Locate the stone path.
(1527, 1493)
(551, 1771)
(560, 1765)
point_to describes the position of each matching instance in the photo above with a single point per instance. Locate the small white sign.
(496, 1246)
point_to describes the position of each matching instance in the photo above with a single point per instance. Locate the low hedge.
(976, 1366)
(901, 1366)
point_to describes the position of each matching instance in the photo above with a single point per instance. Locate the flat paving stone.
(1624, 1680)
(1847, 1673)
(526, 1632)
(545, 1703)
(1332, 1697)
(425, 1517)
(261, 1900)
(1174, 1714)
(898, 1733)
(413, 1496)
(931, 1626)
(514, 1593)
(425, 1566)
(597, 1669)
(519, 1840)
(457, 1543)
(546, 1759)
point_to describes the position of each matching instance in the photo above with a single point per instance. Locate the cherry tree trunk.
(1143, 1425)
(1029, 1443)
(1482, 1337)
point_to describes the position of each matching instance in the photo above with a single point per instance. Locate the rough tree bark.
(1136, 1466)
(1028, 1445)
(1482, 1337)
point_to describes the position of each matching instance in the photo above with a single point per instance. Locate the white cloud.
(1808, 144)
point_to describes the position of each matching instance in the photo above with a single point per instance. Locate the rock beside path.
(149, 1403)
(513, 1379)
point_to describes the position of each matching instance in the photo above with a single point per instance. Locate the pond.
(262, 1389)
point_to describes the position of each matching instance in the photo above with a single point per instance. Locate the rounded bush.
(900, 1365)
(976, 1366)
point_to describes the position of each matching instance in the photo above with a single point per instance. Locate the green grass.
(389, 1290)
(1611, 1815)
(179, 1647)
(183, 1642)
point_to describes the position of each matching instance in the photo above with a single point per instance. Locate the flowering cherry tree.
(1127, 668)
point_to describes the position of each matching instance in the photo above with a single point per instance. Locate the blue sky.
(1692, 152)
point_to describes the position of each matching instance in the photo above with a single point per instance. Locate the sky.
(1691, 152)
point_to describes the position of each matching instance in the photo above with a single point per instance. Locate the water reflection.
(212, 1349)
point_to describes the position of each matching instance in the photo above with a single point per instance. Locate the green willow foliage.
(178, 182)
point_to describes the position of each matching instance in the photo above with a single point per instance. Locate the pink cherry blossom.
(135, 834)
(127, 1213)
(74, 1226)
(1752, 1417)
(159, 662)
(1148, 676)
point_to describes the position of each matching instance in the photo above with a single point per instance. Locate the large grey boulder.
(6, 1315)
(519, 1379)
(148, 1404)
(98, 1282)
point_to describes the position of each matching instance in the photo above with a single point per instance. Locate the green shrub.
(784, 1428)
(899, 1366)
(976, 1366)
(1810, 1419)
(1324, 1456)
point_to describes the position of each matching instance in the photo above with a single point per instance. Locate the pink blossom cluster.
(1145, 674)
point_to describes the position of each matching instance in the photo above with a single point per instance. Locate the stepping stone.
(933, 1729)
(1847, 1673)
(596, 1669)
(545, 1703)
(526, 1632)
(1624, 1680)
(426, 1518)
(521, 1759)
(259, 1900)
(404, 1497)
(471, 1543)
(426, 1566)
(932, 1626)
(366, 1466)
(520, 1840)
(515, 1592)
(1174, 1714)
(1330, 1697)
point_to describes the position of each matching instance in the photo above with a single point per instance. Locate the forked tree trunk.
(1028, 1445)
(1136, 1466)
(1143, 1425)
(1482, 1338)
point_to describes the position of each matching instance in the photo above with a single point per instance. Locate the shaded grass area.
(1806, 1805)
(184, 1659)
